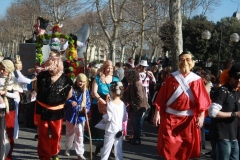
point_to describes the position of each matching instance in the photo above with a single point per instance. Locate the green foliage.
(192, 40)
(202, 49)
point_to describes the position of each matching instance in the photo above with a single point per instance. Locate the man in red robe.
(181, 103)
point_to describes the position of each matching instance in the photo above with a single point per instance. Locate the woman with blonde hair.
(9, 91)
(100, 90)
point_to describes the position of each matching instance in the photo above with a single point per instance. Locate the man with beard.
(224, 112)
(181, 104)
(53, 88)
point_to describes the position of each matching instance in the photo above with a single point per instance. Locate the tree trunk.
(112, 52)
(154, 53)
(134, 49)
(176, 30)
(122, 53)
(142, 29)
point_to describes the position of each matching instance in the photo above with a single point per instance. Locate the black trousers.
(2, 129)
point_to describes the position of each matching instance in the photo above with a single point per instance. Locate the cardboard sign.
(27, 52)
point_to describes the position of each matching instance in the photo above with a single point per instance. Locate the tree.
(176, 30)
(193, 42)
(116, 18)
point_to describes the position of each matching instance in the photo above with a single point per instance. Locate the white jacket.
(116, 114)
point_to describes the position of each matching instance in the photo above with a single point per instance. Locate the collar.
(229, 87)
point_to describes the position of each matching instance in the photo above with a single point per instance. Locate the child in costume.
(75, 117)
(114, 116)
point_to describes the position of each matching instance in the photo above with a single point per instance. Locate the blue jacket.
(71, 111)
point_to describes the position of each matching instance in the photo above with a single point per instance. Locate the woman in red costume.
(181, 104)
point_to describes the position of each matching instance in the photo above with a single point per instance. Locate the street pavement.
(26, 148)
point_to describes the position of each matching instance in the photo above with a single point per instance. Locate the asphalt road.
(26, 148)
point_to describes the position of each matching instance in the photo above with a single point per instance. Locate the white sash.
(183, 86)
(179, 113)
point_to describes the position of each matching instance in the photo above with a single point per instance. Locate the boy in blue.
(75, 117)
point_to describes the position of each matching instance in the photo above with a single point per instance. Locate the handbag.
(101, 125)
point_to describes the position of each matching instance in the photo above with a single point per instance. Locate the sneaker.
(81, 157)
(55, 157)
(36, 137)
(66, 153)
(135, 142)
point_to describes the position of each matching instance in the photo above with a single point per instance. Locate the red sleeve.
(202, 98)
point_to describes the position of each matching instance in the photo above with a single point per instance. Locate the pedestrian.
(137, 100)
(146, 76)
(181, 104)
(53, 88)
(120, 71)
(131, 62)
(75, 116)
(9, 90)
(23, 81)
(114, 116)
(208, 85)
(100, 90)
(225, 113)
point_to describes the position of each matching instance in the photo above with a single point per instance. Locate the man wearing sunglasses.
(224, 111)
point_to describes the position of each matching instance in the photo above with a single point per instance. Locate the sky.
(226, 9)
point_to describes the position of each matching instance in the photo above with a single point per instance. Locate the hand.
(100, 100)
(150, 74)
(74, 103)
(31, 70)
(156, 118)
(238, 114)
(39, 68)
(84, 109)
(200, 121)
(3, 92)
(34, 79)
(33, 94)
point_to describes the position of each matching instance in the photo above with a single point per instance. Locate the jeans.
(137, 119)
(227, 150)
(203, 138)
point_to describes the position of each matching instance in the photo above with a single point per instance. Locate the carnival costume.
(13, 88)
(179, 108)
(75, 117)
(50, 105)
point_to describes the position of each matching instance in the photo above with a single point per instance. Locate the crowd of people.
(125, 94)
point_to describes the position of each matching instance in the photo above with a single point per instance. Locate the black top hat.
(43, 22)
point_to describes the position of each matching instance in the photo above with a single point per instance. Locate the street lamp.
(206, 35)
(234, 38)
